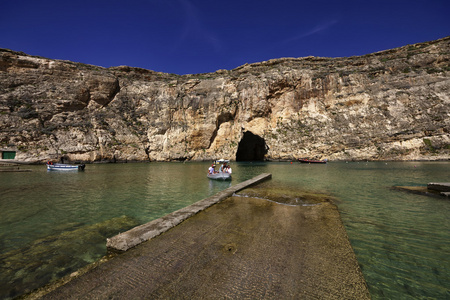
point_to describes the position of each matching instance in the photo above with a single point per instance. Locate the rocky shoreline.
(31, 163)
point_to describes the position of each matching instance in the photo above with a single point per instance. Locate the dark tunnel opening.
(251, 147)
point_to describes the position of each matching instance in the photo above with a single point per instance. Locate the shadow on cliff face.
(251, 147)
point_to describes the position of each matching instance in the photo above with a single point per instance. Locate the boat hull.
(220, 176)
(65, 167)
(308, 161)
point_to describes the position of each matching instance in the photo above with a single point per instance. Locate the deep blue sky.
(198, 36)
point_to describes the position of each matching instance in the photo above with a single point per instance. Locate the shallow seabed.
(53, 223)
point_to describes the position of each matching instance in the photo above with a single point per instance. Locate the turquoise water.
(54, 223)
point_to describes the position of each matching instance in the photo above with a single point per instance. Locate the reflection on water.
(215, 185)
(401, 240)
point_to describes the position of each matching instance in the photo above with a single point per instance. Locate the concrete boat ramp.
(245, 246)
(137, 235)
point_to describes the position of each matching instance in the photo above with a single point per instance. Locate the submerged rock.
(52, 257)
(432, 189)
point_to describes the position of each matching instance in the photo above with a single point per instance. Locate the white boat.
(64, 167)
(220, 175)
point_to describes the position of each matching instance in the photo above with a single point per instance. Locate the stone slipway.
(244, 247)
(137, 235)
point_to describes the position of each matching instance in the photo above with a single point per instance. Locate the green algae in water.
(401, 240)
(55, 256)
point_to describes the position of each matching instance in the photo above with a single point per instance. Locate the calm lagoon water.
(55, 223)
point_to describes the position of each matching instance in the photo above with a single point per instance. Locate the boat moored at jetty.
(64, 167)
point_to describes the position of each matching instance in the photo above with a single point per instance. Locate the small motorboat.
(312, 161)
(64, 167)
(224, 172)
(220, 176)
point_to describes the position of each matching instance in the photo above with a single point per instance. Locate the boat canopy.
(221, 161)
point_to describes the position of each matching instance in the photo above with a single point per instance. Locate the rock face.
(389, 105)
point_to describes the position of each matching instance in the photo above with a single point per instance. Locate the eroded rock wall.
(393, 104)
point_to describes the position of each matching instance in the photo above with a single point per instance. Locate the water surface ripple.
(54, 223)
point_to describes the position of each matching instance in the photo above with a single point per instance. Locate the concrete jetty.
(246, 246)
(137, 235)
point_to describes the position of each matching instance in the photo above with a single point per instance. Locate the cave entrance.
(251, 147)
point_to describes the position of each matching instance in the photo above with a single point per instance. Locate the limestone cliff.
(390, 105)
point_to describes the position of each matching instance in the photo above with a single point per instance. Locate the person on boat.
(228, 169)
(211, 169)
(223, 167)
